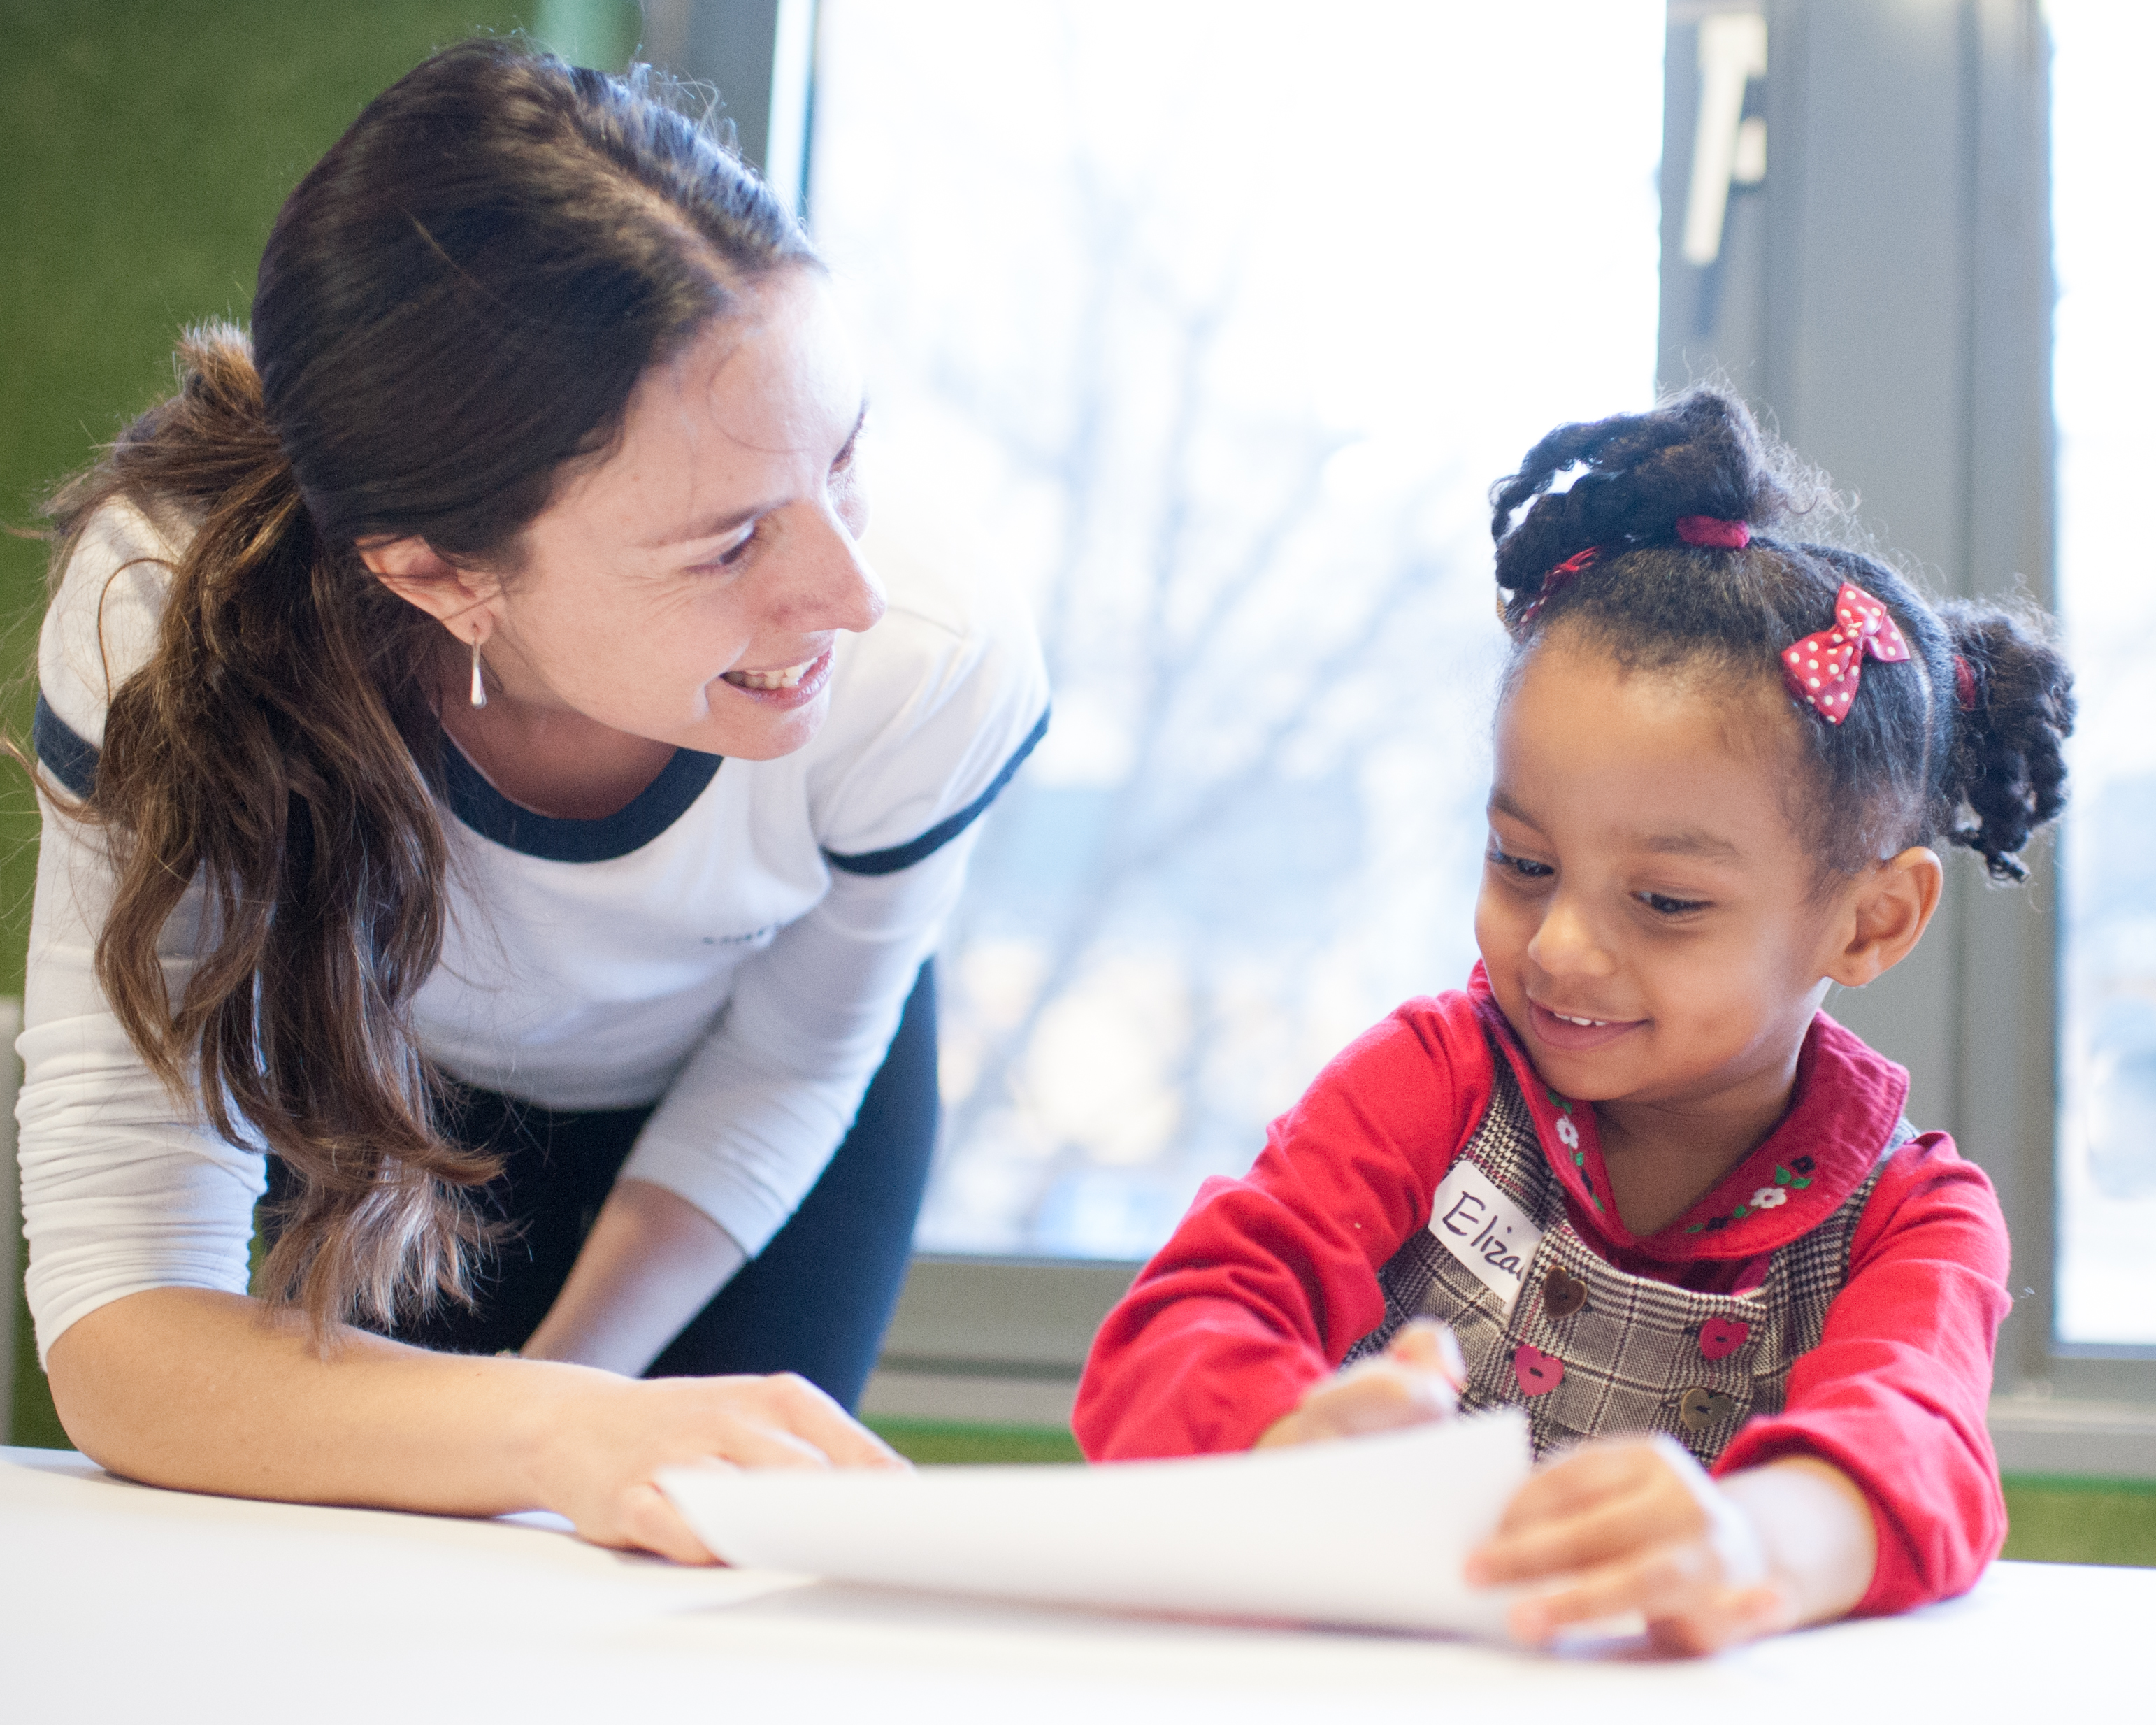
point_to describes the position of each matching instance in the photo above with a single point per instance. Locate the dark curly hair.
(1910, 760)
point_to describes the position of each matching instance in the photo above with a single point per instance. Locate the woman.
(490, 806)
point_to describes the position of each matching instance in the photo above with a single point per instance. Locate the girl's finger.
(1665, 1580)
(1586, 1477)
(1427, 1345)
(1635, 1519)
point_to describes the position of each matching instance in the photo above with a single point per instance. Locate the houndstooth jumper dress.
(1591, 1351)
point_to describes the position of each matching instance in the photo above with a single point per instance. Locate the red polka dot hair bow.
(1822, 669)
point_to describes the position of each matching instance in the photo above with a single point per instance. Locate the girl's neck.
(1663, 1157)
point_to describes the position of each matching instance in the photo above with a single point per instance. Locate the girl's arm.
(1875, 1489)
(1270, 1279)
(208, 1392)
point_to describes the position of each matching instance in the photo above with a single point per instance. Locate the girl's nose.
(1566, 944)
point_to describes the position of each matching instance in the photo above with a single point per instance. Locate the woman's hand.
(1417, 1379)
(1638, 1526)
(607, 1439)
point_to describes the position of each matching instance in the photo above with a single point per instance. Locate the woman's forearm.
(652, 1261)
(208, 1392)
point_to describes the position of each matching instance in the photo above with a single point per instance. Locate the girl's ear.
(1888, 910)
(461, 600)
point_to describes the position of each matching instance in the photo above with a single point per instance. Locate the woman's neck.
(550, 759)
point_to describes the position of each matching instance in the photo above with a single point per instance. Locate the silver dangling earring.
(478, 683)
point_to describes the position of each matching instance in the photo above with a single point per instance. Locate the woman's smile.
(787, 687)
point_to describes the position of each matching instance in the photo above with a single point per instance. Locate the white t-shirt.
(735, 945)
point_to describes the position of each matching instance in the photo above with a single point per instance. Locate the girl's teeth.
(786, 679)
(1592, 1023)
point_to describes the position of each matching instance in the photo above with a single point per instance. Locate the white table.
(120, 1602)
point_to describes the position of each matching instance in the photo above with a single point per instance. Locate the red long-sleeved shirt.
(1271, 1278)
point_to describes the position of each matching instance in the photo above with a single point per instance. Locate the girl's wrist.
(1815, 1532)
(548, 1429)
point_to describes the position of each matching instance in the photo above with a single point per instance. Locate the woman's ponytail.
(267, 752)
(458, 299)
(2007, 767)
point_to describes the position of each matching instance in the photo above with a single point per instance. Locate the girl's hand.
(1638, 1526)
(1417, 1379)
(597, 1462)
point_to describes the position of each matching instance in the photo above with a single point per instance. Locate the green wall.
(145, 146)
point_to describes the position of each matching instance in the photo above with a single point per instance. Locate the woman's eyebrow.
(719, 526)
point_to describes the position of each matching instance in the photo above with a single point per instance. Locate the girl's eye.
(1520, 865)
(1662, 905)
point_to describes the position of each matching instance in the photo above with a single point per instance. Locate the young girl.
(1662, 1201)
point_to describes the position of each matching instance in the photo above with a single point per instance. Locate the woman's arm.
(209, 1392)
(652, 1261)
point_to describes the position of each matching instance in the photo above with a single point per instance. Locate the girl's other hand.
(1417, 1379)
(1637, 1526)
(599, 1462)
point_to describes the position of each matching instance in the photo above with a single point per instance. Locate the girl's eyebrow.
(1690, 841)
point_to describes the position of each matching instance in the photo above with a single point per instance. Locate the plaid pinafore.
(1590, 1351)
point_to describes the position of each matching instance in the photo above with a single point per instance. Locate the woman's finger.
(652, 1523)
(800, 1408)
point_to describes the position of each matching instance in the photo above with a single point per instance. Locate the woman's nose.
(826, 582)
(1566, 944)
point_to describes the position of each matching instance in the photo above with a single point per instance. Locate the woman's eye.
(734, 553)
(1520, 865)
(1662, 905)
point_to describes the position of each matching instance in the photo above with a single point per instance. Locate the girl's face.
(689, 587)
(1650, 921)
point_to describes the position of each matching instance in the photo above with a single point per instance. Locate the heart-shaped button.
(1721, 1337)
(1564, 1294)
(1701, 1408)
(1538, 1373)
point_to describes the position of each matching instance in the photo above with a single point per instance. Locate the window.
(1210, 325)
(2105, 363)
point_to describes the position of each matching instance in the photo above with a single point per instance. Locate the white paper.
(1368, 1530)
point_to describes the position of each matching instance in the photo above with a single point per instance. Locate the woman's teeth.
(786, 679)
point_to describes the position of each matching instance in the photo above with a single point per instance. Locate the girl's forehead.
(1685, 755)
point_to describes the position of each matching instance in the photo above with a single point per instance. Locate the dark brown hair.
(1909, 764)
(455, 301)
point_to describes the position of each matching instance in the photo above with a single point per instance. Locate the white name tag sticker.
(1484, 1229)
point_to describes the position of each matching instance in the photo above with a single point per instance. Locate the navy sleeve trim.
(66, 757)
(904, 856)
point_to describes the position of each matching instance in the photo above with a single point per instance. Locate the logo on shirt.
(1484, 1229)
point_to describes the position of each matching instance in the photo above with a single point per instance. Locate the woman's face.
(689, 587)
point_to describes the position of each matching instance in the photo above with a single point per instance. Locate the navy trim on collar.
(904, 856)
(653, 809)
(69, 758)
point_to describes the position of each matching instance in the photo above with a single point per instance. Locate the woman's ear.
(462, 600)
(1888, 908)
